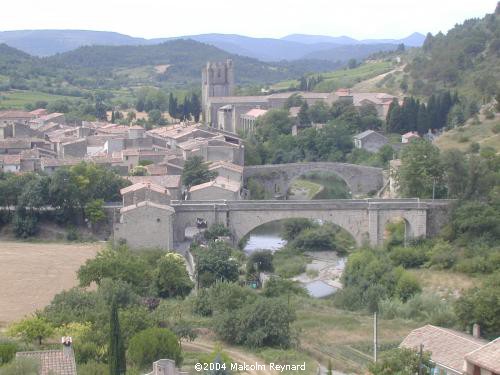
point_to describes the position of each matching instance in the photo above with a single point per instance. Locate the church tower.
(217, 79)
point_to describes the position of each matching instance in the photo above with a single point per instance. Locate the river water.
(265, 237)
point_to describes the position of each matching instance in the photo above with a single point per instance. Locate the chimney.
(66, 342)
(476, 331)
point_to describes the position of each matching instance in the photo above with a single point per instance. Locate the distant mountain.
(413, 40)
(292, 47)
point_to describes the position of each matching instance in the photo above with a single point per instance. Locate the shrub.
(171, 276)
(260, 261)
(21, 366)
(289, 262)
(215, 231)
(292, 227)
(408, 257)
(407, 286)
(278, 287)
(93, 368)
(25, 225)
(266, 322)
(8, 350)
(442, 255)
(153, 343)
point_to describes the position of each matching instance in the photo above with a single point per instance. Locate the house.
(485, 360)
(213, 149)
(370, 140)
(165, 367)
(408, 137)
(171, 182)
(220, 188)
(247, 120)
(10, 163)
(144, 191)
(15, 116)
(53, 362)
(145, 225)
(448, 347)
(227, 170)
(50, 165)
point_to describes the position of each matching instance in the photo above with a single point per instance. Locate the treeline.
(273, 142)
(443, 110)
(68, 196)
(152, 99)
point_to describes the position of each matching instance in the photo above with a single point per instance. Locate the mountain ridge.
(49, 42)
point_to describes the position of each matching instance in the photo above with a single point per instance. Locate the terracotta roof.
(144, 204)
(487, 357)
(410, 134)
(15, 143)
(156, 170)
(11, 159)
(52, 162)
(256, 112)
(374, 97)
(58, 362)
(50, 116)
(219, 182)
(144, 185)
(39, 112)
(168, 181)
(227, 165)
(448, 347)
(5, 115)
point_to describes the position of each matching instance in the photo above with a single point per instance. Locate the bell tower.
(217, 79)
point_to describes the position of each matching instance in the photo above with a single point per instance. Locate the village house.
(53, 362)
(15, 116)
(248, 119)
(370, 140)
(408, 137)
(213, 149)
(145, 225)
(171, 182)
(456, 353)
(219, 188)
(144, 191)
(227, 170)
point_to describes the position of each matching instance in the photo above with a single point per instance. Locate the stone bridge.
(364, 219)
(276, 178)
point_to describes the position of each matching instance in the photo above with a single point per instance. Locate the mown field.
(17, 99)
(32, 273)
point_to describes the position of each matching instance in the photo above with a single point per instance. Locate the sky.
(360, 19)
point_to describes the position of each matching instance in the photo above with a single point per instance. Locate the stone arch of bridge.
(291, 177)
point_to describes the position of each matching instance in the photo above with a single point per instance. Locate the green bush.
(260, 261)
(278, 287)
(442, 255)
(408, 257)
(293, 227)
(215, 231)
(8, 350)
(93, 368)
(496, 128)
(289, 262)
(407, 286)
(21, 366)
(152, 344)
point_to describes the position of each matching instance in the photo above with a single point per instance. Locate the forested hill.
(176, 63)
(466, 59)
(185, 59)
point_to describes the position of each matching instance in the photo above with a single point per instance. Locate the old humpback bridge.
(276, 178)
(151, 224)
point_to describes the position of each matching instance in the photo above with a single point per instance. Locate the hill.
(466, 60)
(293, 47)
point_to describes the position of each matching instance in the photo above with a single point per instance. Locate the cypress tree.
(116, 358)
(172, 106)
(195, 107)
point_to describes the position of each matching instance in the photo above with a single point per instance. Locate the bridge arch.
(276, 178)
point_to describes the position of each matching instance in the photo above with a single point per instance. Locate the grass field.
(32, 273)
(17, 99)
(343, 77)
(444, 283)
(461, 138)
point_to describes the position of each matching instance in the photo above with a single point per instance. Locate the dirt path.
(235, 354)
(32, 273)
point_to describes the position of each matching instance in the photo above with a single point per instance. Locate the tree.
(152, 344)
(352, 63)
(303, 115)
(260, 261)
(421, 171)
(173, 106)
(31, 329)
(266, 322)
(94, 211)
(401, 361)
(216, 264)
(292, 227)
(116, 355)
(195, 107)
(171, 276)
(196, 172)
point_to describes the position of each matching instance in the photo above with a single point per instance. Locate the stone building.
(370, 140)
(217, 80)
(145, 225)
(165, 367)
(227, 170)
(144, 191)
(220, 188)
